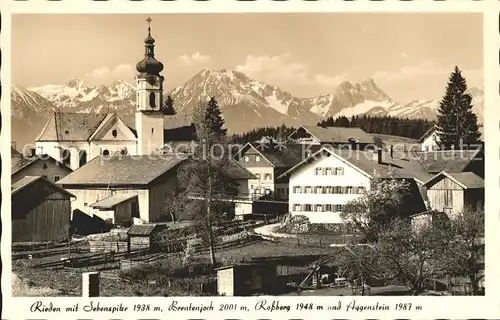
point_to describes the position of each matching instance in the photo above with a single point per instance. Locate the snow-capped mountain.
(245, 103)
(77, 96)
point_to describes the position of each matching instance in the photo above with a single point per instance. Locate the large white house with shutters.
(330, 178)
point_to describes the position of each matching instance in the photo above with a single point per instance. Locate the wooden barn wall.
(139, 242)
(158, 193)
(437, 194)
(45, 217)
(123, 213)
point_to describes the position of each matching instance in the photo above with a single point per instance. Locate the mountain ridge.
(245, 103)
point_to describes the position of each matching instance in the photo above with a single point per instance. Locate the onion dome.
(149, 65)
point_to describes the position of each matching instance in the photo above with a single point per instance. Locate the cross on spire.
(148, 20)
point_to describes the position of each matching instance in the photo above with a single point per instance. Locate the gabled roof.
(467, 180)
(447, 160)
(143, 229)
(19, 162)
(29, 180)
(69, 126)
(433, 129)
(113, 200)
(123, 170)
(337, 134)
(426, 134)
(366, 162)
(278, 155)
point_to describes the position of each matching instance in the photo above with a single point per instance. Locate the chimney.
(378, 155)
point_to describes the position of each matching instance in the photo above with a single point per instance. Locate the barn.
(451, 193)
(41, 210)
(142, 236)
(247, 279)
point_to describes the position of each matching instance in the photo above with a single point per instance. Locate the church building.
(76, 138)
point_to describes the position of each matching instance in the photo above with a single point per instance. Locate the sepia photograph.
(247, 154)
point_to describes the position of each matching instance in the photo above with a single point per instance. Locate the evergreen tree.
(168, 107)
(457, 123)
(213, 121)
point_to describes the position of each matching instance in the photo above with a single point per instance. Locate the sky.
(409, 56)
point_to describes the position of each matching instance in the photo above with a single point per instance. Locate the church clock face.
(152, 81)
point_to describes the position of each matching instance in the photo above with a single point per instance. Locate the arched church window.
(105, 152)
(114, 133)
(124, 152)
(82, 158)
(152, 100)
(66, 157)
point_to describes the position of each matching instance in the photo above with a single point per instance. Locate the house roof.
(113, 200)
(29, 180)
(136, 170)
(280, 156)
(434, 128)
(19, 162)
(338, 134)
(401, 165)
(447, 160)
(467, 180)
(69, 126)
(123, 170)
(141, 229)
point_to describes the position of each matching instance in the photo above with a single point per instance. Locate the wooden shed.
(247, 279)
(41, 210)
(451, 193)
(141, 236)
(122, 206)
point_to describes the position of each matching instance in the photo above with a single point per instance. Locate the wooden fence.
(107, 246)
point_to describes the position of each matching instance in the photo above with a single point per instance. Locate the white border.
(433, 307)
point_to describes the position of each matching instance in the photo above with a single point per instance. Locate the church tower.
(149, 88)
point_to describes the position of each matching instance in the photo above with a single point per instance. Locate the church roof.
(68, 126)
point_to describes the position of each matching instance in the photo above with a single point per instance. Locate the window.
(57, 178)
(152, 130)
(85, 204)
(328, 171)
(318, 171)
(114, 133)
(349, 190)
(307, 208)
(66, 157)
(308, 189)
(361, 189)
(83, 157)
(105, 152)
(267, 176)
(296, 207)
(152, 100)
(337, 207)
(329, 189)
(328, 207)
(339, 171)
(318, 190)
(319, 208)
(296, 189)
(257, 158)
(247, 159)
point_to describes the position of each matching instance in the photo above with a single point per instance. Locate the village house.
(429, 141)
(323, 183)
(267, 161)
(76, 138)
(36, 165)
(332, 136)
(454, 192)
(45, 217)
(453, 161)
(120, 188)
